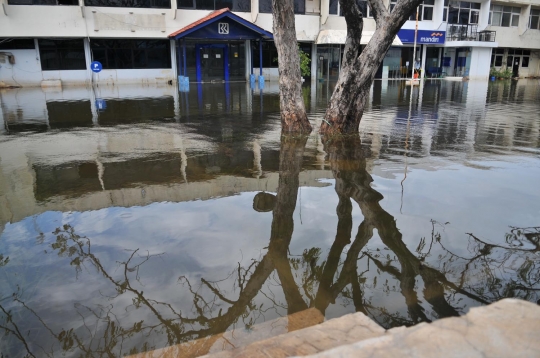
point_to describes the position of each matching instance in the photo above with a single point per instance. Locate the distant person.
(417, 66)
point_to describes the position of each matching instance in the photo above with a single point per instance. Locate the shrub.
(505, 73)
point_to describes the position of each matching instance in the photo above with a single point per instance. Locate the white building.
(52, 42)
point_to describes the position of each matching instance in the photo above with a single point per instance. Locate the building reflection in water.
(124, 239)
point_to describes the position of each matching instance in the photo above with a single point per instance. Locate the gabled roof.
(218, 15)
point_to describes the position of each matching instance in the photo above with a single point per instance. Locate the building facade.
(51, 42)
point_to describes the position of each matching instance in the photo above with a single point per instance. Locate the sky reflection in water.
(143, 226)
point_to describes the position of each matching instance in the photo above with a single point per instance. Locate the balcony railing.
(460, 32)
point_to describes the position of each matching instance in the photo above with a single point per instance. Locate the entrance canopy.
(222, 25)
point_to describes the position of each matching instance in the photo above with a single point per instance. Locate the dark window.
(127, 54)
(233, 5)
(534, 19)
(265, 6)
(498, 60)
(160, 4)
(509, 61)
(333, 7)
(186, 4)
(17, 44)
(43, 2)
(269, 55)
(299, 7)
(526, 52)
(428, 13)
(204, 5)
(525, 61)
(62, 55)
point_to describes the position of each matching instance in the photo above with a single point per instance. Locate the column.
(423, 66)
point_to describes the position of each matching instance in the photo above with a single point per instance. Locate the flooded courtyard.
(140, 218)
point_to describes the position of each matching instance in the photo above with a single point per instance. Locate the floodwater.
(141, 218)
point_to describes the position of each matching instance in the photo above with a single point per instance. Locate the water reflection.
(199, 235)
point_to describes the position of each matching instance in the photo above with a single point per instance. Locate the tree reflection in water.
(450, 282)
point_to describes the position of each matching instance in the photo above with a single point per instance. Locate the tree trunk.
(358, 71)
(293, 111)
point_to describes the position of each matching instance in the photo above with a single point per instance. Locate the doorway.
(515, 66)
(212, 62)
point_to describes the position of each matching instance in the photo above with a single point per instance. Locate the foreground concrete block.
(333, 333)
(240, 337)
(508, 328)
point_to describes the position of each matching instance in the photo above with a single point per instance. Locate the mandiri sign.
(423, 37)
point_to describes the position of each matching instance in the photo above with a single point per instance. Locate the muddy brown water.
(138, 218)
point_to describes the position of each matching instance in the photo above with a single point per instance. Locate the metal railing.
(460, 32)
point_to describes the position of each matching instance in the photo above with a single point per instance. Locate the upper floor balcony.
(462, 32)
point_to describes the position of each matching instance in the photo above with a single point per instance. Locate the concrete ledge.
(457, 78)
(333, 333)
(508, 328)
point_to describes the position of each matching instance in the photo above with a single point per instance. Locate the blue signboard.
(422, 37)
(101, 104)
(96, 66)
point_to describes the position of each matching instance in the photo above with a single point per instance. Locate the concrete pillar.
(483, 16)
(313, 62)
(174, 60)
(423, 66)
(524, 19)
(254, 10)
(247, 54)
(2, 121)
(88, 61)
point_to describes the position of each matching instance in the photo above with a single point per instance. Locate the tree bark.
(350, 95)
(292, 109)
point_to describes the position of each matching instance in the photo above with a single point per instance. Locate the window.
(233, 5)
(505, 16)
(62, 55)
(525, 61)
(445, 11)
(335, 8)
(269, 55)
(462, 12)
(364, 7)
(159, 4)
(17, 44)
(43, 2)
(425, 10)
(534, 19)
(265, 6)
(127, 54)
(497, 57)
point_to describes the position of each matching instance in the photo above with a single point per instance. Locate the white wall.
(479, 65)
(26, 71)
(139, 76)
(307, 26)
(510, 37)
(270, 74)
